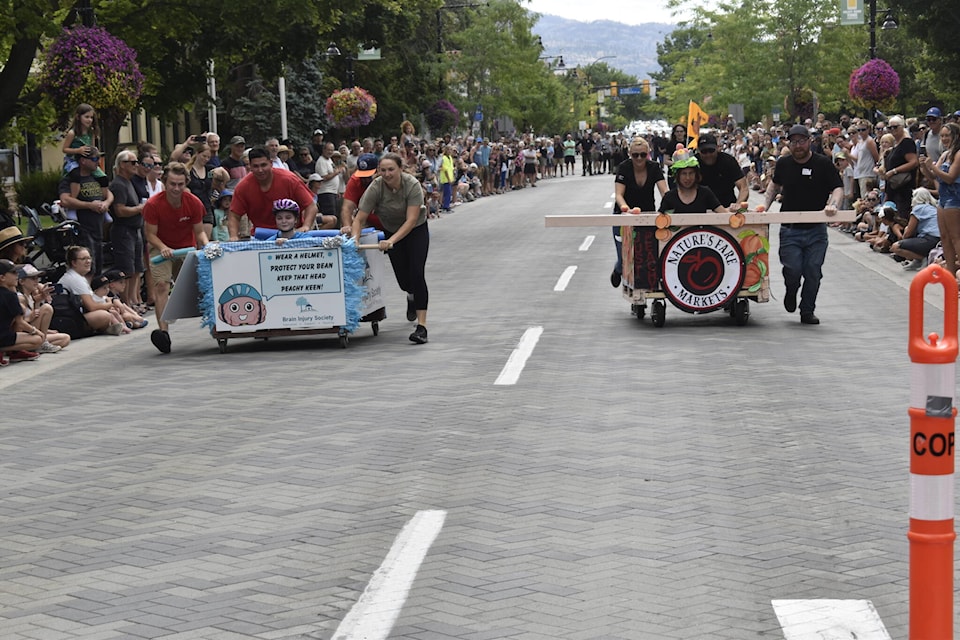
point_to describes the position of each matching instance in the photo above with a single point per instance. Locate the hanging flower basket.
(87, 64)
(874, 85)
(353, 107)
(442, 117)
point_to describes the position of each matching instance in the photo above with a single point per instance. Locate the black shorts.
(530, 168)
(570, 159)
(127, 248)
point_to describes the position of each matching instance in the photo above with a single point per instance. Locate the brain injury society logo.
(702, 269)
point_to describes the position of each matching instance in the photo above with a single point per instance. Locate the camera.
(923, 149)
(202, 139)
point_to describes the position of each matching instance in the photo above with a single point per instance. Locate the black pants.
(409, 260)
(91, 233)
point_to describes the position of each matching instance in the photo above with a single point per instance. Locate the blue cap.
(367, 165)
(479, 139)
(933, 112)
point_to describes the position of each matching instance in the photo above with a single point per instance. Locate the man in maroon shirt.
(256, 193)
(173, 219)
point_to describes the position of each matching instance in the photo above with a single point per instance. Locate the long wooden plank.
(689, 219)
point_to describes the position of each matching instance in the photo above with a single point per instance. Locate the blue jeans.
(618, 243)
(802, 252)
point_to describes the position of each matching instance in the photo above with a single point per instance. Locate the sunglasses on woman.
(642, 154)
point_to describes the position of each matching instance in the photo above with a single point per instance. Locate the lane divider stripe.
(587, 242)
(518, 359)
(374, 614)
(829, 620)
(565, 278)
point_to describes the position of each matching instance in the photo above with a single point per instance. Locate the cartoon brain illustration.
(241, 304)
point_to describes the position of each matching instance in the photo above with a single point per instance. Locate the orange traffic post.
(932, 418)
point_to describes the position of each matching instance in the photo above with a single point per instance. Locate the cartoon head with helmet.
(240, 304)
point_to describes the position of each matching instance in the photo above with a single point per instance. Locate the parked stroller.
(49, 250)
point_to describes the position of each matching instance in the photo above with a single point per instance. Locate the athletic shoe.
(809, 318)
(48, 347)
(790, 300)
(24, 356)
(115, 329)
(411, 308)
(161, 340)
(912, 265)
(419, 335)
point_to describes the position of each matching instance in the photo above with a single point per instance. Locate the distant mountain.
(635, 46)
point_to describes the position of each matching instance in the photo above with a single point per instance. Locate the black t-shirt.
(898, 157)
(9, 309)
(91, 187)
(586, 144)
(806, 186)
(722, 177)
(124, 193)
(633, 194)
(705, 201)
(140, 186)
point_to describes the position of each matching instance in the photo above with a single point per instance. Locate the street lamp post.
(888, 24)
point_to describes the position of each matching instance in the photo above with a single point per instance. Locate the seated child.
(286, 214)
(35, 299)
(18, 338)
(120, 312)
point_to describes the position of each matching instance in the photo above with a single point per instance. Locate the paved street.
(635, 483)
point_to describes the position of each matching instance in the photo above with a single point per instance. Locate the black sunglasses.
(642, 154)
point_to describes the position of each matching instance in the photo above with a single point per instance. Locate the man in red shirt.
(173, 219)
(259, 189)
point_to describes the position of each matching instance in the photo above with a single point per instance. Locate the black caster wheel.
(344, 341)
(658, 314)
(741, 311)
(222, 344)
(639, 310)
(376, 327)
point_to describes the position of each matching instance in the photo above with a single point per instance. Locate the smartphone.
(923, 149)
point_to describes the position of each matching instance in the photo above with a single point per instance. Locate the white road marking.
(829, 620)
(608, 205)
(518, 359)
(587, 242)
(374, 614)
(565, 280)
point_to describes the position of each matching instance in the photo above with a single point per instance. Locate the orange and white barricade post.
(932, 417)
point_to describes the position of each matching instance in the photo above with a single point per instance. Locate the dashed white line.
(829, 620)
(374, 614)
(587, 242)
(565, 278)
(518, 359)
(607, 205)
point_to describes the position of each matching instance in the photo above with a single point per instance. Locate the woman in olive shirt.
(397, 199)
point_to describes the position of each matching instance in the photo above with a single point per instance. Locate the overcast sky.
(625, 11)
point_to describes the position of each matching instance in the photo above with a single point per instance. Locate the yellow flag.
(695, 118)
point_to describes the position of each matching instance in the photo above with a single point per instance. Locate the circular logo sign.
(702, 269)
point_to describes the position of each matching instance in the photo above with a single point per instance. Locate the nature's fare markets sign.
(702, 269)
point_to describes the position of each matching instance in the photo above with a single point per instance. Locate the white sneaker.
(48, 347)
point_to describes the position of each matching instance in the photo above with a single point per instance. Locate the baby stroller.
(48, 252)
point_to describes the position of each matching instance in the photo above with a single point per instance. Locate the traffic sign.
(630, 91)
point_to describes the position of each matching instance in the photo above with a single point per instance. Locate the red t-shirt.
(257, 204)
(174, 226)
(354, 192)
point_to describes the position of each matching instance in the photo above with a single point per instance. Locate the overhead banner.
(851, 12)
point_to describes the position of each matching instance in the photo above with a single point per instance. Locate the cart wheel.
(222, 344)
(658, 314)
(741, 311)
(376, 327)
(344, 340)
(639, 310)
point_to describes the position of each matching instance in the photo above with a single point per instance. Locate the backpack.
(68, 316)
